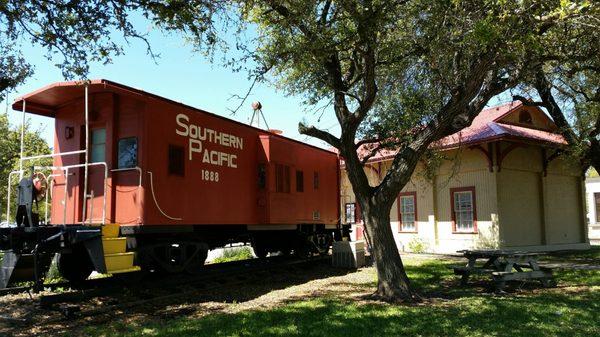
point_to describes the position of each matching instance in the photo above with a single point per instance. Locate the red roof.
(487, 126)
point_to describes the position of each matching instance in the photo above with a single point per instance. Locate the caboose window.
(262, 176)
(282, 178)
(316, 180)
(299, 181)
(98, 153)
(127, 152)
(176, 160)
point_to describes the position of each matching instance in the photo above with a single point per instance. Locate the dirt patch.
(20, 314)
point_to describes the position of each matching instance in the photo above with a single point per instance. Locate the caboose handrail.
(51, 155)
(48, 192)
(135, 168)
(8, 195)
(66, 169)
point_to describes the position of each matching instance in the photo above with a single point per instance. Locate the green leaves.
(10, 147)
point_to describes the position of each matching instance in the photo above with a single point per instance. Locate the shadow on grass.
(591, 255)
(338, 310)
(548, 315)
(435, 278)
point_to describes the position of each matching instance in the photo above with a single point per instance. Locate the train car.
(141, 181)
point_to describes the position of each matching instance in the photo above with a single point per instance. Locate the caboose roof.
(47, 100)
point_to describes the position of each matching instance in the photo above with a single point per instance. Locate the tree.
(567, 85)
(76, 33)
(10, 148)
(398, 74)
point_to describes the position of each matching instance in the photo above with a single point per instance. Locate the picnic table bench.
(503, 266)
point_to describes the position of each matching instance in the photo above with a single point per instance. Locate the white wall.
(592, 185)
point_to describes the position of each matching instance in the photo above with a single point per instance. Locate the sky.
(182, 75)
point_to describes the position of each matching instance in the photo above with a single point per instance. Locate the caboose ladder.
(116, 257)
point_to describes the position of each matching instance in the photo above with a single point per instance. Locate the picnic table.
(503, 266)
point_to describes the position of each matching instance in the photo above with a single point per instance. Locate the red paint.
(414, 195)
(235, 199)
(462, 189)
(359, 232)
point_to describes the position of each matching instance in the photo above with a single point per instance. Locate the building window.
(597, 209)
(127, 152)
(282, 178)
(176, 160)
(299, 181)
(525, 117)
(350, 213)
(407, 211)
(316, 180)
(464, 215)
(98, 146)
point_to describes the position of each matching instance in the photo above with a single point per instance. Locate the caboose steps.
(114, 245)
(119, 262)
(110, 230)
(116, 257)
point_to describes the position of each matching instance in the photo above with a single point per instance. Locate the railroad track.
(213, 277)
(93, 284)
(222, 273)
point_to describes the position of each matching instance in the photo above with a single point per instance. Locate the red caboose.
(178, 180)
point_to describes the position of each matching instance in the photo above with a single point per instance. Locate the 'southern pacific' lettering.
(198, 134)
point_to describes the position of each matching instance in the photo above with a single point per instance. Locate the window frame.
(316, 181)
(470, 189)
(92, 144)
(136, 152)
(525, 117)
(283, 178)
(401, 229)
(596, 196)
(173, 173)
(299, 181)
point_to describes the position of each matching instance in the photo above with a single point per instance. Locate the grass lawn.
(572, 309)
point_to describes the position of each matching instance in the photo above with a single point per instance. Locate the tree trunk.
(392, 282)
(594, 154)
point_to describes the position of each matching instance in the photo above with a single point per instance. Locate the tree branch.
(544, 89)
(527, 101)
(320, 134)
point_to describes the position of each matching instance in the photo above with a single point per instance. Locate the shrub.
(417, 245)
(234, 254)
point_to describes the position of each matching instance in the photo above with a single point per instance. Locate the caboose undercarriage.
(112, 249)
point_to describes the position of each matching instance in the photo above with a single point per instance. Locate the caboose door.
(95, 201)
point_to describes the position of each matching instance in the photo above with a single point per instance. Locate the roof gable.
(492, 124)
(528, 117)
(504, 121)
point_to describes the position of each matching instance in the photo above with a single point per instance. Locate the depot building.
(502, 184)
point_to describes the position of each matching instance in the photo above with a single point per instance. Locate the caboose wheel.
(260, 251)
(198, 254)
(322, 243)
(75, 266)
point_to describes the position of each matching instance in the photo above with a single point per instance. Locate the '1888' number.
(210, 175)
